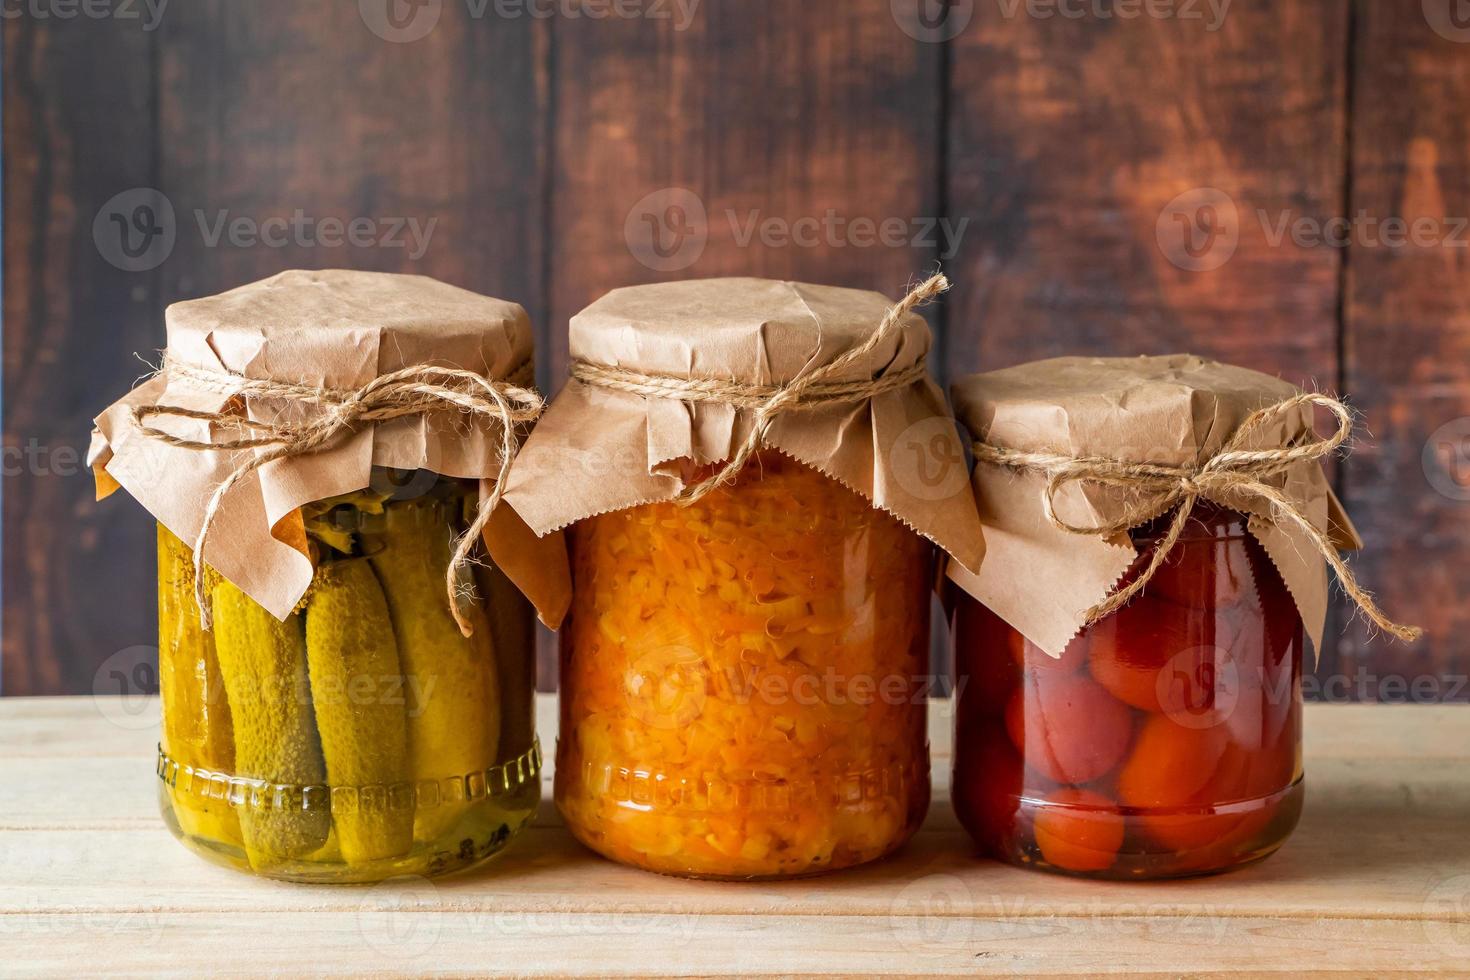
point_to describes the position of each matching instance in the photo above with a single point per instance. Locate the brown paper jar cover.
(1172, 410)
(336, 329)
(598, 450)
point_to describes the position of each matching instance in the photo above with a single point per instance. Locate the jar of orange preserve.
(753, 473)
(1129, 656)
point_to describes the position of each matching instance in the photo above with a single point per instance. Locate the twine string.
(811, 388)
(1230, 474)
(410, 391)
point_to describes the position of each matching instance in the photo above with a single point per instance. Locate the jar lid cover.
(281, 354)
(1173, 412)
(673, 377)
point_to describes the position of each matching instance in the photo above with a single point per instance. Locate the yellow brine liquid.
(364, 737)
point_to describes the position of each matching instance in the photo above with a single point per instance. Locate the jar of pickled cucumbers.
(346, 679)
(744, 671)
(1129, 655)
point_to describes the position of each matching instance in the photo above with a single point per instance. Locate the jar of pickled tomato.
(755, 478)
(1166, 739)
(742, 680)
(364, 736)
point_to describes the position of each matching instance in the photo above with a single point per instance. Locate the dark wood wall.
(1123, 184)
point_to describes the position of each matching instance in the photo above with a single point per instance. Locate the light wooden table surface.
(1375, 881)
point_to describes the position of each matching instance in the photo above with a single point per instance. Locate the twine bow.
(1231, 473)
(416, 390)
(808, 390)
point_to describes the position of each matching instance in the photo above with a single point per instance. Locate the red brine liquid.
(1165, 741)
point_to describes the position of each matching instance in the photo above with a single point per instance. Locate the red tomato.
(1247, 783)
(987, 785)
(1170, 775)
(1195, 837)
(1250, 774)
(1129, 649)
(1078, 830)
(1067, 727)
(1206, 827)
(1170, 763)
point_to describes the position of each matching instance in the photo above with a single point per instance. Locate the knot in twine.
(810, 388)
(417, 390)
(1231, 473)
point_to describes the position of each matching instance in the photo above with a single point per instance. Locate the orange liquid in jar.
(1165, 741)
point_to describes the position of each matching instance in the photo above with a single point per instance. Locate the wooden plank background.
(1096, 178)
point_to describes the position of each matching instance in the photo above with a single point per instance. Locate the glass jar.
(364, 737)
(1165, 741)
(742, 680)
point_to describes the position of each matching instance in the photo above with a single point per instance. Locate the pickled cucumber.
(197, 731)
(263, 662)
(453, 691)
(513, 635)
(357, 691)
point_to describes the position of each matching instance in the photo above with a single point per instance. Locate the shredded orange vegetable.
(743, 680)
